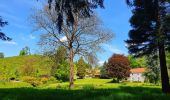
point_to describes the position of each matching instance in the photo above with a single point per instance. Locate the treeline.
(118, 67)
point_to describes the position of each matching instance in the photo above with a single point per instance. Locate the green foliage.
(86, 89)
(103, 72)
(25, 51)
(58, 57)
(168, 59)
(62, 72)
(31, 80)
(1, 55)
(153, 70)
(28, 69)
(81, 68)
(15, 66)
(137, 62)
(44, 80)
(5, 73)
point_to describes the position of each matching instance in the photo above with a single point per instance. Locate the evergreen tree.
(149, 34)
(103, 72)
(81, 68)
(153, 70)
(2, 35)
(58, 58)
(71, 7)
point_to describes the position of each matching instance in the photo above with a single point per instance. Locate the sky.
(115, 16)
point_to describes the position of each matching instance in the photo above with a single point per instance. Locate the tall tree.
(103, 72)
(68, 8)
(2, 35)
(153, 69)
(81, 68)
(149, 34)
(84, 37)
(118, 67)
(58, 57)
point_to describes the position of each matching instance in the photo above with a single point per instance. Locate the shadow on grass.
(122, 93)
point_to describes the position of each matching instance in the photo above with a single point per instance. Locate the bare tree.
(84, 37)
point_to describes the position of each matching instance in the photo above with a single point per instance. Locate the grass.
(86, 89)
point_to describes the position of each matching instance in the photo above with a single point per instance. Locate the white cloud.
(101, 63)
(63, 39)
(10, 42)
(32, 37)
(113, 49)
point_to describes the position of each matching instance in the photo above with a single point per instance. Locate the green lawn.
(86, 89)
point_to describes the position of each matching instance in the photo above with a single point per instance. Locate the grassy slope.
(16, 63)
(86, 89)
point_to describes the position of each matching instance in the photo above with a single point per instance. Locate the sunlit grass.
(85, 89)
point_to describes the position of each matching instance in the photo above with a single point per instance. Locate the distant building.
(136, 75)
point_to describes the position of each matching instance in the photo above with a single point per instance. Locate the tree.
(83, 37)
(118, 67)
(153, 70)
(168, 59)
(62, 72)
(1, 55)
(59, 60)
(137, 62)
(150, 33)
(58, 57)
(68, 9)
(81, 68)
(25, 51)
(2, 35)
(103, 72)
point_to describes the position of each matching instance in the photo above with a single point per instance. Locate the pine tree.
(71, 7)
(81, 68)
(149, 33)
(2, 34)
(103, 72)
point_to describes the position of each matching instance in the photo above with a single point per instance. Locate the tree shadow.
(122, 93)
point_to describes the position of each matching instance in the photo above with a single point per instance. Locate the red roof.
(137, 70)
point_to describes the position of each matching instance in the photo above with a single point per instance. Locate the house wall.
(138, 77)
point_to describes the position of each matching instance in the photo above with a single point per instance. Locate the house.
(136, 75)
(92, 73)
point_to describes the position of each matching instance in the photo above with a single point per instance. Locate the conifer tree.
(150, 32)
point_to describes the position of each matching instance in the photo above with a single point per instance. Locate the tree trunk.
(164, 71)
(71, 70)
(161, 47)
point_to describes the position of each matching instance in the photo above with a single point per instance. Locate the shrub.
(44, 80)
(52, 78)
(31, 80)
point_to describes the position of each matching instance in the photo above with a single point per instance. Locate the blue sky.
(115, 16)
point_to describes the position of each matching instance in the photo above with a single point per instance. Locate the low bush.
(44, 80)
(31, 80)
